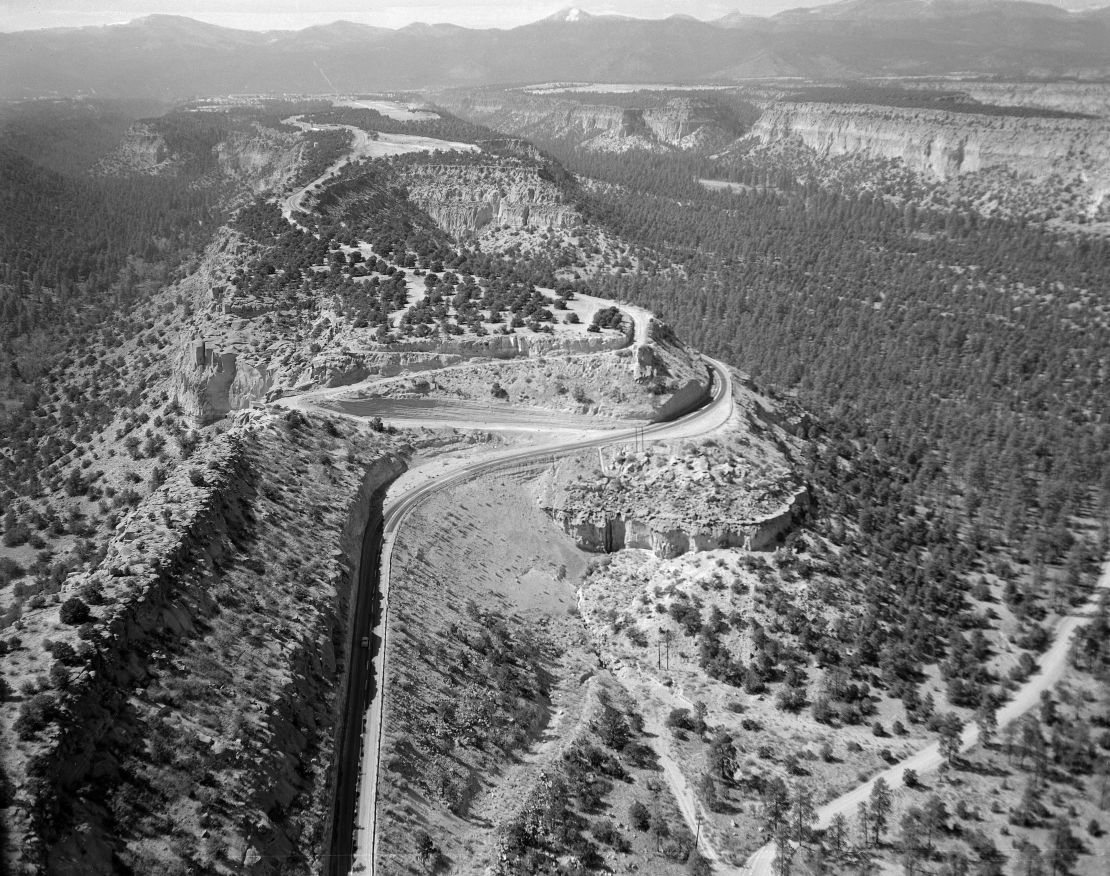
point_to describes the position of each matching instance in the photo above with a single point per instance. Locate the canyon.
(1035, 150)
(561, 486)
(663, 122)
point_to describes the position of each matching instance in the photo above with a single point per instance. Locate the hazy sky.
(292, 14)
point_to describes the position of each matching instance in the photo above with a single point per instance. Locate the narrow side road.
(363, 146)
(1051, 669)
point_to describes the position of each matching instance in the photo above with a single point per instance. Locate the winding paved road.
(415, 486)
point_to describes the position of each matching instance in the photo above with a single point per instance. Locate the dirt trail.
(363, 146)
(654, 699)
(1052, 665)
(520, 778)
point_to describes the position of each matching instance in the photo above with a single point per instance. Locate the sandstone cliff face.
(737, 489)
(943, 145)
(689, 123)
(261, 158)
(1092, 98)
(679, 122)
(217, 655)
(208, 383)
(518, 113)
(265, 160)
(465, 199)
(605, 533)
(142, 150)
(342, 368)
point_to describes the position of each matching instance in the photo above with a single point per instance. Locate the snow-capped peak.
(570, 14)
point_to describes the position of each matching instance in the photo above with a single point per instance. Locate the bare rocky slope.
(941, 144)
(465, 199)
(259, 158)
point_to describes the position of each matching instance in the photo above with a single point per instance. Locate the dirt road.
(1052, 665)
(647, 687)
(363, 146)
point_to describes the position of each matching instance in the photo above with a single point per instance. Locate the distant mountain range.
(171, 57)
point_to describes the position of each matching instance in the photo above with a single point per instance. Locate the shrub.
(606, 832)
(59, 675)
(675, 850)
(609, 317)
(10, 570)
(64, 651)
(613, 729)
(7, 790)
(34, 715)
(426, 847)
(696, 865)
(74, 611)
(680, 719)
(638, 816)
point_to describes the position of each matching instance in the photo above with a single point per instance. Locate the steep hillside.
(196, 679)
(466, 199)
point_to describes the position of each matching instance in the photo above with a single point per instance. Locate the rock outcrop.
(1090, 98)
(734, 490)
(465, 199)
(262, 159)
(265, 160)
(605, 533)
(142, 150)
(941, 144)
(207, 383)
